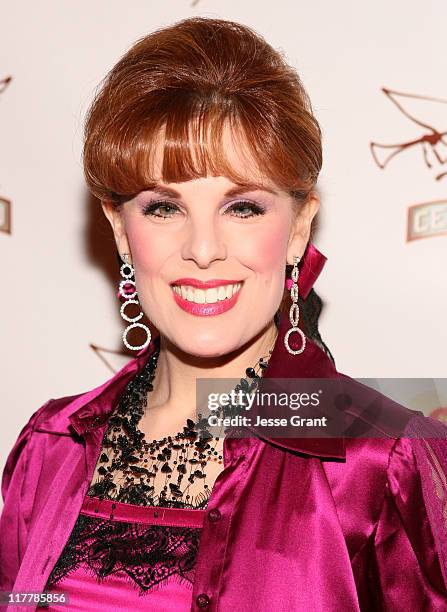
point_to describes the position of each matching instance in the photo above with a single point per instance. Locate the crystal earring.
(294, 313)
(127, 272)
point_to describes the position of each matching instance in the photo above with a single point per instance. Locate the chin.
(207, 344)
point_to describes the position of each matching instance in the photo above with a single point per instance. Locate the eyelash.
(149, 209)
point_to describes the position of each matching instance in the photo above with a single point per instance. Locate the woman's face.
(209, 231)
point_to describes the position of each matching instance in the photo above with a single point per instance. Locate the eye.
(165, 210)
(152, 208)
(245, 209)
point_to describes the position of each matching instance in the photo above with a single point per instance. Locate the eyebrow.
(233, 191)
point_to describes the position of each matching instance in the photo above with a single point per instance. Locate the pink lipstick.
(206, 309)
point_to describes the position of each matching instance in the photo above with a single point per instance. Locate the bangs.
(180, 137)
(203, 97)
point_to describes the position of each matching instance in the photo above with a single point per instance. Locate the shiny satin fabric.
(117, 590)
(326, 525)
(115, 593)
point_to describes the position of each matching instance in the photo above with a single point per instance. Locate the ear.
(116, 219)
(300, 232)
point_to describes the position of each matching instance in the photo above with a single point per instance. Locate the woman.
(203, 150)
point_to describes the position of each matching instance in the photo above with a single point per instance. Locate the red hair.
(185, 82)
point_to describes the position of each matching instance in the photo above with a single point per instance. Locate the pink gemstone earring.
(127, 272)
(294, 313)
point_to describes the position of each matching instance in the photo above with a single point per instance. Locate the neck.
(173, 397)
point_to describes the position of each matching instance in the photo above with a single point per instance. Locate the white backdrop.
(384, 295)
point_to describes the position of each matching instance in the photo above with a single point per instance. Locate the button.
(214, 515)
(202, 600)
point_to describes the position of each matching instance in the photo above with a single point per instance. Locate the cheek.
(266, 250)
(149, 250)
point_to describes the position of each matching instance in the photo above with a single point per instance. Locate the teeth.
(199, 296)
(208, 296)
(221, 293)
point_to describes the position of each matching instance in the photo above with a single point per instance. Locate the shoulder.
(383, 435)
(369, 413)
(20, 444)
(395, 476)
(17, 455)
(68, 415)
(57, 415)
(407, 448)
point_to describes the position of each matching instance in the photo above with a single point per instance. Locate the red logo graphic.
(431, 140)
(429, 115)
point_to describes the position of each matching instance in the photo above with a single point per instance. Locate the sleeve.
(13, 529)
(410, 540)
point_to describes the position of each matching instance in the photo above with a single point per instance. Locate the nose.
(203, 242)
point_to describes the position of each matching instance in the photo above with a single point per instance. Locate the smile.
(207, 296)
(205, 302)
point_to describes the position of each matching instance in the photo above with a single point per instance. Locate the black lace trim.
(148, 554)
(124, 437)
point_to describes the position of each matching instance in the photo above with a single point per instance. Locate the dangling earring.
(130, 299)
(294, 313)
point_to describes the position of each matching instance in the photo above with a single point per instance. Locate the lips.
(205, 298)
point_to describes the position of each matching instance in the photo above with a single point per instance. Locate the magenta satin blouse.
(328, 525)
(143, 557)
